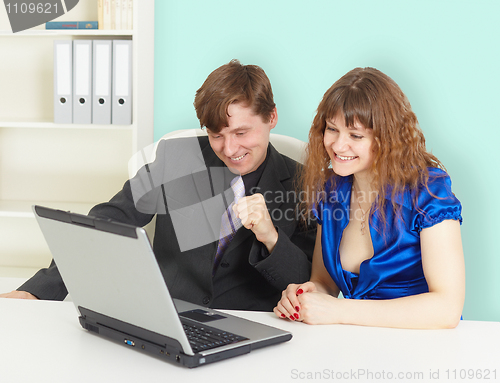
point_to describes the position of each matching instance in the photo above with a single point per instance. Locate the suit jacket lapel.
(271, 182)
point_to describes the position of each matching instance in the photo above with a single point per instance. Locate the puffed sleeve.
(437, 202)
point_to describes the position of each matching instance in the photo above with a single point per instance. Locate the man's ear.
(273, 120)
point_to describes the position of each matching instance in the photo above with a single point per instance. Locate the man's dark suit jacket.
(248, 278)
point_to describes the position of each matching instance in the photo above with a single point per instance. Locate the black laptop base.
(152, 343)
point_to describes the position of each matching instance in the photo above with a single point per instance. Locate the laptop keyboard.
(204, 338)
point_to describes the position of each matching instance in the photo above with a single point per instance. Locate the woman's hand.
(319, 308)
(289, 305)
(304, 303)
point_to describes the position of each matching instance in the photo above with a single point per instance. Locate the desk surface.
(43, 341)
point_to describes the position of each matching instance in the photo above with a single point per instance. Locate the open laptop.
(117, 287)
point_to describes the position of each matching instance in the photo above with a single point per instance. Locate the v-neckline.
(347, 206)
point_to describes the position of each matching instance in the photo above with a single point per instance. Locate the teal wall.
(443, 54)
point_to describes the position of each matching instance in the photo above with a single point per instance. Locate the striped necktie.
(229, 222)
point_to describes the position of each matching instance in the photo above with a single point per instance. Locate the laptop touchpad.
(201, 315)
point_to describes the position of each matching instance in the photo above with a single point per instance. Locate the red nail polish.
(296, 316)
(297, 308)
(299, 291)
(291, 317)
(283, 315)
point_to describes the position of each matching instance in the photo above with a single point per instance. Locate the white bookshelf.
(65, 166)
(39, 124)
(67, 32)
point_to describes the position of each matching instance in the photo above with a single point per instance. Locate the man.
(271, 249)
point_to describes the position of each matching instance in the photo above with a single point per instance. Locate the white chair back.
(288, 146)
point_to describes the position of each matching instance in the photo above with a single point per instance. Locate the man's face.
(242, 145)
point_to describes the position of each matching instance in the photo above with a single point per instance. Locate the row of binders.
(93, 82)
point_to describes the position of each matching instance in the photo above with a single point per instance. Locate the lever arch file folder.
(101, 94)
(82, 81)
(63, 74)
(121, 110)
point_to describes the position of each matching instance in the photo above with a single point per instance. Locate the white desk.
(42, 341)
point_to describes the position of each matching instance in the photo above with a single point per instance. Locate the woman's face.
(350, 148)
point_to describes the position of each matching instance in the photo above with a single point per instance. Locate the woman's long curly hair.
(400, 161)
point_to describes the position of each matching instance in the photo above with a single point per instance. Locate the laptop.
(114, 280)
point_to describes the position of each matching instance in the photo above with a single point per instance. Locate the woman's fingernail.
(297, 308)
(283, 315)
(299, 291)
(291, 317)
(296, 316)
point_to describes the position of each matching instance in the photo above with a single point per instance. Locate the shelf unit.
(68, 32)
(65, 166)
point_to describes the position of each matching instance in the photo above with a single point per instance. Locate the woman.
(389, 224)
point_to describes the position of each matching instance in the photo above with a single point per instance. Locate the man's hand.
(18, 295)
(254, 215)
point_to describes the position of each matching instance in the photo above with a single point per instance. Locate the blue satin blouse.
(395, 270)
